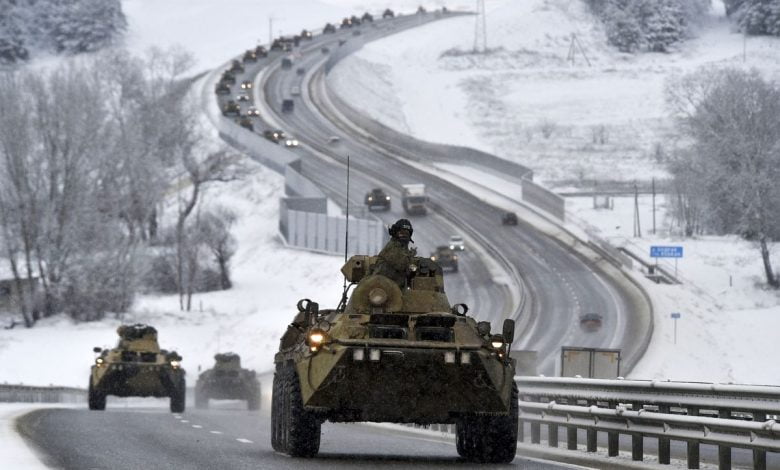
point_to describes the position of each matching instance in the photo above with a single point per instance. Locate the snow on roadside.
(14, 451)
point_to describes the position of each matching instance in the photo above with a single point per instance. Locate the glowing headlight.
(452, 247)
(175, 364)
(377, 297)
(99, 361)
(387, 198)
(497, 341)
(433, 258)
(316, 338)
(497, 344)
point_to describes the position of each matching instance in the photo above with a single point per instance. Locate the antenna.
(343, 303)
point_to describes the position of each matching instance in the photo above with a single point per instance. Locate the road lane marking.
(245, 441)
(177, 416)
(184, 421)
(197, 426)
(215, 432)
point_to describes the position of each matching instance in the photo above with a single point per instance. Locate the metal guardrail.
(32, 394)
(726, 415)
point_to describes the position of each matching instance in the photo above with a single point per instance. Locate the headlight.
(175, 364)
(433, 258)
(452, 247)
(497, 341)
(370, 198)
(317, 338)
(99, 361)
(387, 198)
(377, 297)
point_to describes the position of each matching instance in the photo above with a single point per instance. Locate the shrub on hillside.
(758, 17)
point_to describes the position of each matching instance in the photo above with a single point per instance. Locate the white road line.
(184, 421)
(177, 416)
(245, 441)
(197, 426)
(215, 432)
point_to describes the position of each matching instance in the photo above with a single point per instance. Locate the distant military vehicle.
(329, 29)
(246, 123)
(397, 354)
(346, 23)
(445, 257)
(367, 17)
(231, 108)
(250, 56)
(227, 381)
(222, 88)
(306, 34)
(509, 218)
(237, 67)
(421, 10)
(378, 199)
(388, 13)
(274, 136)
(414, 198)
(228, 77)
(288, 105)
(136, 367)
(287, 63)
(261, 51)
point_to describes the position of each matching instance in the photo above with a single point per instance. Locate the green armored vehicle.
(137, 367)
(228, 381)
(395, 353)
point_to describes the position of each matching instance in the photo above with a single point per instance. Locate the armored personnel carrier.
(395, 353)
(227, 380)
(136, 367)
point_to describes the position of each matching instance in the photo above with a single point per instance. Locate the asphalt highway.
(556, 285)
(228, 437)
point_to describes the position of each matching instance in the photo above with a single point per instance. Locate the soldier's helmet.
(402, 230)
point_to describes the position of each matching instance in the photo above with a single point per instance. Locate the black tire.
(300, 429)
(201, 400)
(96, 399)
(489, 439)
(178, 397)
(277, 412)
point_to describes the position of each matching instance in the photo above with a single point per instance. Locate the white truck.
(414, 199)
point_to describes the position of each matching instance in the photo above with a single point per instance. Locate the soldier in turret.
(395, 258)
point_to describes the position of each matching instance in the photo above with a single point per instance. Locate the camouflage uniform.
(394, 261)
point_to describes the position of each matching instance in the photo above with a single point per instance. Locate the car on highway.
(334, 140)
(388, 13)
(290, 142)
(377, 199)
(288, 105)
(457, 243)
(509, 218)
(590, 322)
(243, 97)
(231, 108)
(300, 71)
(295, 90)
(253, 112)
(446, 258)
(274, 136)
(237, 67)
(287, 63)
(246, 85)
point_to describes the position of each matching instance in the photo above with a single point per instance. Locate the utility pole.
(654, 205)
(480, 29)
(637, 227)
(575, 46)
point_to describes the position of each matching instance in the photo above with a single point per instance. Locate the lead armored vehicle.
(395, 353)
(227, 380)
(136, 367)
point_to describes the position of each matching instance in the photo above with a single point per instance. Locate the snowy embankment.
(605, 121)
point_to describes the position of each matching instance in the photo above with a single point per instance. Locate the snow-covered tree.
(12, 42)
(759, 17)
(664, 25)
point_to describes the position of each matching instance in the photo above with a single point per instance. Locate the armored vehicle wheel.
(201, 400)
(490, 439)
(178, 397)
(97, 399)
(253, 401)
(296, 431)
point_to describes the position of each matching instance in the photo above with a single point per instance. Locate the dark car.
(287, 63)
(377, 198)
(288, 105)
(261, 51)
(246, 85)
(237, 67)
(388, 13)
(329, 29)
(250, 56)
(590, 321)
(446, 258)
(300, 70)
(509, 218)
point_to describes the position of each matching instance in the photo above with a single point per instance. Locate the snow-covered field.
(489, 103)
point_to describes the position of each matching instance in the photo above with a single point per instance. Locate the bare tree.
(733, 120)
(215, 233)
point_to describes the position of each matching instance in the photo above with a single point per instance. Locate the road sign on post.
(675, 317)
(667, 252)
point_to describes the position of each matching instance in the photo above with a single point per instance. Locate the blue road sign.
(666, 252)
(675, 315)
